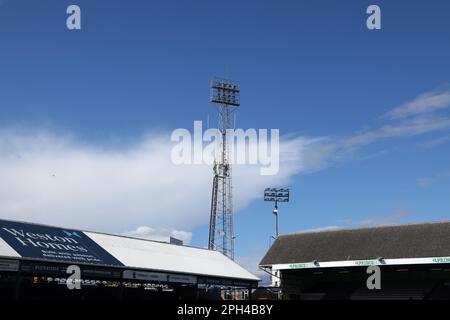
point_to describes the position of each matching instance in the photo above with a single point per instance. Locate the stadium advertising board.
(144, 275)
(9, 265)
(50, 243)
(160, 277)
(359, 263)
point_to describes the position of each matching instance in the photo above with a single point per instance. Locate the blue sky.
(138, 69)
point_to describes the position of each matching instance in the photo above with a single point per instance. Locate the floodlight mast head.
(276, 195)
(225, 92)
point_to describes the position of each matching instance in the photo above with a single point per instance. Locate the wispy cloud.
(411, 119)
(320, 153)
(424, 103)
(436, 142)
(395, 217)
(321, 229)
(427, 182)
(159, 234)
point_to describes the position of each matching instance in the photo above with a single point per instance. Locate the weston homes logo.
(49, 243)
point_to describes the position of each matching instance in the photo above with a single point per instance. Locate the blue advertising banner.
(50, 243)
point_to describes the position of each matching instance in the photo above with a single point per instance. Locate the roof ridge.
(340, 229)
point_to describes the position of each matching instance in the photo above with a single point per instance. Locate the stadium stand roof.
(46, 243)
(162, 256)
(396, 242)
(7, 251)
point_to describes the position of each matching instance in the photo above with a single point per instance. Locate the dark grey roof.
(389, 242)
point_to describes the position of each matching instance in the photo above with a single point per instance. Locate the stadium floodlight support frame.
(276, 195)
(226, 95)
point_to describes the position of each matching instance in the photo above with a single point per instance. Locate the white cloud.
(427, 182)
(159, 234)
(53, 178)
(424, 103)
(321, 229)
(395, 217)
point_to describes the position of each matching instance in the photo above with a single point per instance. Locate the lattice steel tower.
(225, 94)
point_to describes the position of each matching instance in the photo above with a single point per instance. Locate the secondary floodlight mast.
(276, 195)
(225, 94)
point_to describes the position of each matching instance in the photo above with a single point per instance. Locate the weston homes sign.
(50, 243)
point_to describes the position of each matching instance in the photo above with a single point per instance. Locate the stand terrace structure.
(34, 260)
(414, 261)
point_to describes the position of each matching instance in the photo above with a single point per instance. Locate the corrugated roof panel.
(6, 250)
(153, 255)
